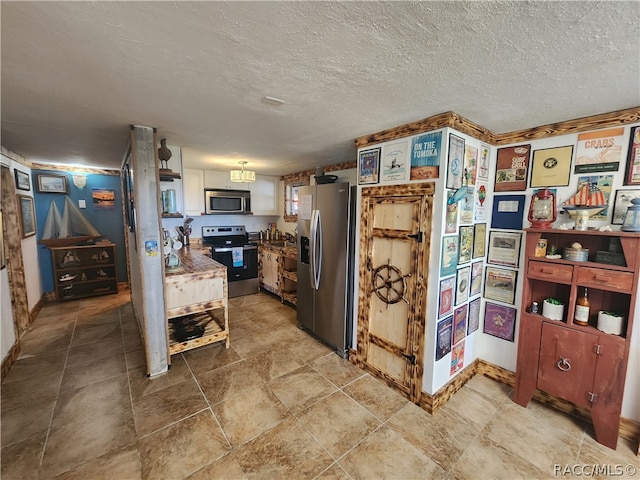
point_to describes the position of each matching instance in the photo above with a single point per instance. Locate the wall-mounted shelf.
(169, 176)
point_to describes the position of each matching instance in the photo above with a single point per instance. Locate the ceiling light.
(272, 101)
(243, 175)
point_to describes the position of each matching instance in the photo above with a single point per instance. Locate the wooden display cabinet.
(579, 364)
(278, 271)
(84, 271)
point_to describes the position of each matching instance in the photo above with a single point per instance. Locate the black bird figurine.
(164, 154)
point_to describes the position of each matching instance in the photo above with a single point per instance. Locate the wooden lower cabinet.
(278, 271)
(84, 271)
(580, 364)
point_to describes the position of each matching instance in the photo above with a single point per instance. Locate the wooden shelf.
(172, 215)
(169, 176)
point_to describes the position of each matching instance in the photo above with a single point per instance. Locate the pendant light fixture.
(243, 175)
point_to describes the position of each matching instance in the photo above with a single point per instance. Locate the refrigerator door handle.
(318, 256)
(312, 250)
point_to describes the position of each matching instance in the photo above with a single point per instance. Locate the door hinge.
(592, 397)
(411, 358)
(417, 236)
(596, 349)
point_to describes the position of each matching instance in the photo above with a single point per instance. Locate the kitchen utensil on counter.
(186, 230)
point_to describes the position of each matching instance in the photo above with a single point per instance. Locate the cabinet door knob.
(563, 364)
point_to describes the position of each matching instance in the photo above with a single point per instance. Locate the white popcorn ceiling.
(75, 75)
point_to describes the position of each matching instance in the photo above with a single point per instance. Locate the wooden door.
(394, 249)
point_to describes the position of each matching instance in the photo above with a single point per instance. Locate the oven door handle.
(228, 249)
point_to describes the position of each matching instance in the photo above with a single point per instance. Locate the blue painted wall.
(108, 221)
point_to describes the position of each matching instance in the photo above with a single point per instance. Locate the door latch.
(417, 236)
(411, 358)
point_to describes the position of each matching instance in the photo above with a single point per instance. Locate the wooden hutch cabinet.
(579, 364)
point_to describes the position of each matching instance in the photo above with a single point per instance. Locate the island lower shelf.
(196, 303)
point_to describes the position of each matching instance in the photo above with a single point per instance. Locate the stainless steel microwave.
(220, 201)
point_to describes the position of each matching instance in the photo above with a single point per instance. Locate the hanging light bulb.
(243, 175)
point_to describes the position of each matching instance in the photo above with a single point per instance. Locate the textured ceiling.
(75, 75)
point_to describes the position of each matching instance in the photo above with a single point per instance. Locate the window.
(291, 185)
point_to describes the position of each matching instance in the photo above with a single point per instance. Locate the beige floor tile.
(489, 388)
(21, 460)
(249, 414)
(43, 365)
(338, 423)
(142, 385)
(98, 369)
(17, 394)
(136, 359)
(337, 370)
(87, 353)
(287, 451)
(132, 342)
(485, 459)
(183, 448)
(471, 405)
(120, 464)
(159, 409)
(95, 419)
(334, 472)
(227, 468)
(46, 344)
(253, 344)
(309, 349)
(206, 359)
(623, 459)
(375, 396)
(301, 388)
(228, 381)
(274, 363)
(543, 440)
(31, 417)
(441, 436)
(386, 454)
(84, 334)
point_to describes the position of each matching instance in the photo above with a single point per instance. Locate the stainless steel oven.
(230, 246)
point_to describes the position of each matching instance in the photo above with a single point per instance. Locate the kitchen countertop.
(286, 250)
(195, 260)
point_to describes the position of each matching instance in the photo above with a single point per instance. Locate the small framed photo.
(479, 240)
(476, 278)
(462, 284)
(512, 167)
(443, 337)
(459, 323)
(369, 166)
(473, 322)
(500, 284)
(23, 181)
(27, 216)
(500, 321)
(446, 296)
(449, 256)
(49, 183)
(551, 167)
(465, 245)
(632, 172)
(504, 248)
(455, 163)
(483, 162)
(621, 203)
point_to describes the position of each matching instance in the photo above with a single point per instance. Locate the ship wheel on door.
(391, 309)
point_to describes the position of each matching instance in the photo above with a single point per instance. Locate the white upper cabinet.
(193, 182)
(221, 179)
(264, 195)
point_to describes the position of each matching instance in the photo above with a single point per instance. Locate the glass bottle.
(583, 306)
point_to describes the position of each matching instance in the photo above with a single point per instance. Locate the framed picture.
(451, 218)
(483, 162)
(500, 321)
(508, 211)
(470, 164)
(369, 166)
(599, 151)
(479, 240)
(462, 284)
(457, 358)
(504, 248)
(551, 167)
(443, 337)
(476, 279)
(621, 203)
(603, 182)
(23, 181)
(473, 320)
(500, 284)
(103, 198)
(632, 172)
(425, 156)
(512, 167)
(455, 163)
(465, 245)
(449, 256)
(49, 183)
(459, 324)
(466, 206)
(446, 296)
(3, 257)
(394, 162)
(27, 216)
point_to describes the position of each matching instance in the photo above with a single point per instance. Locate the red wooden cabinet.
(579, 364)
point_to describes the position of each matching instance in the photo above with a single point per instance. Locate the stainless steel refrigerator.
(323, 263)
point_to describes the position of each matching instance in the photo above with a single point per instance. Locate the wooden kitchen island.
(196, 294)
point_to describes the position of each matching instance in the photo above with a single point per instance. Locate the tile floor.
(276, 405)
